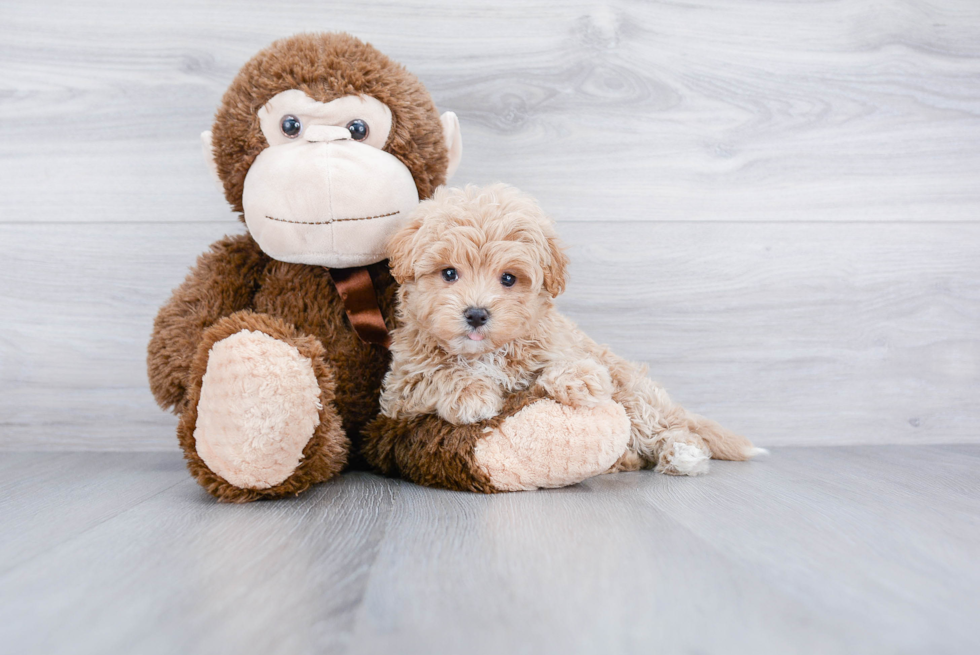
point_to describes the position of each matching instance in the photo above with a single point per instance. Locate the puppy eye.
(508, 280)
(290, 126)
(359, 130)
(449, 275)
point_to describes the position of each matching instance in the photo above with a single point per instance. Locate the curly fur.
(443, 366)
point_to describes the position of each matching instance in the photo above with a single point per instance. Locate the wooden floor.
(865, 549)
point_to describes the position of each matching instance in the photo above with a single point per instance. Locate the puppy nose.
(476, 316)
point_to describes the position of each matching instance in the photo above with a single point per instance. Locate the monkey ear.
(209, 159)
(454, 142)
(556, 272)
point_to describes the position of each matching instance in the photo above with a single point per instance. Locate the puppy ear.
(401, 251)
(556, 272)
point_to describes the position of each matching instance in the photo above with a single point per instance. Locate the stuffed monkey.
(273, 350)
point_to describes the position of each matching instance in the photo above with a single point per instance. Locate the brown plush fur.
(222, 283)
(293, 302)
(235, 276)
(327, 67)
(324, 455)
(429, 451)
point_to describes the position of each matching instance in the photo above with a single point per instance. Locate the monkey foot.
(547, 444)
(259, 407)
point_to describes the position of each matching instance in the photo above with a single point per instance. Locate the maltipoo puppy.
(479, 269)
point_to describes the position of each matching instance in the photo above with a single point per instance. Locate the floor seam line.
(52, 547)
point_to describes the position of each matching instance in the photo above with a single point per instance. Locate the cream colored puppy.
(479, 269)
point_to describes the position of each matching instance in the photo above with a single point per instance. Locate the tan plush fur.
(324, 455)
(444, 366)
(259, 406)
(533, 443)
(517, 458)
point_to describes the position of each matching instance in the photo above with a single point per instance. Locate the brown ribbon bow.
(361, 303)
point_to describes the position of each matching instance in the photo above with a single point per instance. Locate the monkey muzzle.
(327, 200)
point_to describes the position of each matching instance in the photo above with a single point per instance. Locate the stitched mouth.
(333, 220)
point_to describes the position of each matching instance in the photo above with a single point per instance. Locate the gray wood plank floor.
(865, 549)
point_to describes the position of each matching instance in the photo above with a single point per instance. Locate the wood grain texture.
(755, 110)
(75, 329)
(798, 334)
(772, 203)
(813, 550)
(790, 333)
(40, 496)
(263, 578)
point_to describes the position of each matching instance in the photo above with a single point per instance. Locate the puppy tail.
(723, 443)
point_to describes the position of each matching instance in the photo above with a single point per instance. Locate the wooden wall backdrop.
(776, 204)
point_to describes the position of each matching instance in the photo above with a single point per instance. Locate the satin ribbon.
(357, 292)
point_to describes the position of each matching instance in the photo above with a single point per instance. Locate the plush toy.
(273, 350)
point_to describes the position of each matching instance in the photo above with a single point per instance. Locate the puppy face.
(477, 267)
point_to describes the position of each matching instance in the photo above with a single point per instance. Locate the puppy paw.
(682, 458)
(475, 402)
(582, 383)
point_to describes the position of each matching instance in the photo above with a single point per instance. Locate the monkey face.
(324, 192)
(323, 144)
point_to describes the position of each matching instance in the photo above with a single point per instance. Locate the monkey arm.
(221, 283)
(433, 452)
(533, 443)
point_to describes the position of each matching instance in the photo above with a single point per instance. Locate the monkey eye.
(508, 280)
(450, 275)
(290, 126)
(358, 129)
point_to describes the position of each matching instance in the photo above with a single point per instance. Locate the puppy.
(479, 269)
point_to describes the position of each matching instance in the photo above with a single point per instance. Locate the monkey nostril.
(476, 316)
(325, 133)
